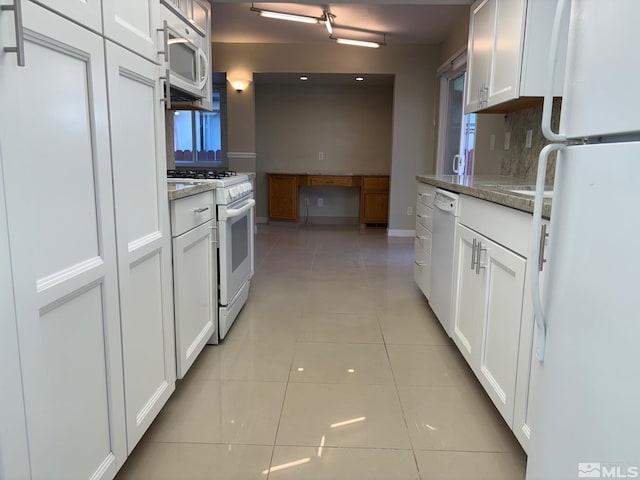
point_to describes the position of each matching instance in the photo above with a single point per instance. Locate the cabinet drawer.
(424, 216)
(189, 212)
(426, 194)
(423, 237)
(328, 180)
(375, 183)
(506, 226)
(422, 270)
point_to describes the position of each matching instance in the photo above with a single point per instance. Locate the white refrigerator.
(586, 402)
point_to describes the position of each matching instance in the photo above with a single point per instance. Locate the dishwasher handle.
(445, 203)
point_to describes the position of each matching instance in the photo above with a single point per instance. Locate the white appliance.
(445, 213)
(235, 212)
(186, 54)
(586, 401)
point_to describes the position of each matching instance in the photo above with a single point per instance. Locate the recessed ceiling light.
(304, 78)
(359, 79)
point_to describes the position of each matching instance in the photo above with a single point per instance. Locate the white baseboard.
(262, 219)
(394, 232)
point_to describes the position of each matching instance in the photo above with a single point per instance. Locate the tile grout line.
(284, 399)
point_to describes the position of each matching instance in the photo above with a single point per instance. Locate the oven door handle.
(226, 213)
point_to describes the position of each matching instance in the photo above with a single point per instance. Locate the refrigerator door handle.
(551, 75)
(535, 245)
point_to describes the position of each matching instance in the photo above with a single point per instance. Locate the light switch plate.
(527, 143)
(507, 140)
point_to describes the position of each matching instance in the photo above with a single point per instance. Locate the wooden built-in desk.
(283, 194)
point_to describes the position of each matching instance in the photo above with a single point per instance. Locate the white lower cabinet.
(528, 364)
(143, 236)
(54, 144)
(195, 286)
(489, 295)
(14, 450)
(424, 224)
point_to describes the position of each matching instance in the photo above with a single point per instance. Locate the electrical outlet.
(527, 143)
(320, 202)
(507, 140)
(320, 155)
(409, 211)
(492, 142)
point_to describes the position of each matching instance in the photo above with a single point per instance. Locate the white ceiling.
(423, 22)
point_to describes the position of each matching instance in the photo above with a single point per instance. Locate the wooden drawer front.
(423, 237)
(189, 212)
(375, 183)
(426, 194)
(424, 216)
(336, 181)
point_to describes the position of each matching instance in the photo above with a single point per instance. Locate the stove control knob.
(233, 191)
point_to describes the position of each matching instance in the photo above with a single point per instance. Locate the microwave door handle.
(235, 212)
(202, 73)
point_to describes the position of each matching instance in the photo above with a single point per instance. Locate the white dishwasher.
(445, 220)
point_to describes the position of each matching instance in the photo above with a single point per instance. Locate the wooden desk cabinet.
(283, 198)
(374, 200)
(283, 194)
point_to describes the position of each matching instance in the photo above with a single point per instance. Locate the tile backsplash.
(522, 162)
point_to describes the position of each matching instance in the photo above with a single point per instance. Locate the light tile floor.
(335, 369)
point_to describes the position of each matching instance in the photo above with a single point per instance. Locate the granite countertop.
(490, 188)
(186, 189)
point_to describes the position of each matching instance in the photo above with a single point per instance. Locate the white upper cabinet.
(54, 141)
(85, 12)
(508, 52)
(480, 48)
(134, 25)
(143, 236)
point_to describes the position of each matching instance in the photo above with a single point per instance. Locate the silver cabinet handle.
(201, 209)
(424, 194)
(480, 250)
(543, 238)
(165, 30)
(421, 237)
(420, 264)
(17, 20)
(473, 254)
(419, 215)
(167, 88)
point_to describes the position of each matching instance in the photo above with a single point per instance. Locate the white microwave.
(187, 57)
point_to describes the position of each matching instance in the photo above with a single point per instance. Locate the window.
(456, 140)
(199, 137)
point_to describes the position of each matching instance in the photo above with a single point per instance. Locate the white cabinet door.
(134, 25)
(497, 356)
(480, 52)
(14, 453)
(54, 138)
(488, 313)
(528, 364)
(195, 284)
(507, 51)
(469, 295)
(85, 12)
(143, 237)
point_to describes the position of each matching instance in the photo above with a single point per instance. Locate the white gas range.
(235, 219)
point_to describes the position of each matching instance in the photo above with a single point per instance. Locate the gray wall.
(412, 137)
(350, 125)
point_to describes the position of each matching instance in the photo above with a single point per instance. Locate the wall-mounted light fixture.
(239, 85)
